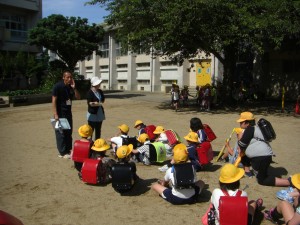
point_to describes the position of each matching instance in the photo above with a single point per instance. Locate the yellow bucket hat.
(85, 131)
(138, 122)
(245, 116)
(124, 151)
(143, 137)
(180, 153)
(158, 130)
(124, 128)
(192, 136)
(229, 173)
(100, 145)
(296, 180)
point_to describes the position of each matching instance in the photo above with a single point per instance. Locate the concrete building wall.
(141, 72)
(16, 18)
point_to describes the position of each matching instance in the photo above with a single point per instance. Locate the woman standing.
(95, 114)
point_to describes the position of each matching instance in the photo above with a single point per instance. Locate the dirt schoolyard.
(39, 188)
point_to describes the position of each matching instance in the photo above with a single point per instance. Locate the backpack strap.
(225, 192)
(239, 193)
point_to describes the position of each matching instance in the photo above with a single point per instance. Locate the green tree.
(6, 62)
(71, 38)
(23, 63)
(229, 29)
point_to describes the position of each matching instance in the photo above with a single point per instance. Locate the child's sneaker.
(285, 195)
(249, 174)
(268, 216)
(67, 156)
(163, 168)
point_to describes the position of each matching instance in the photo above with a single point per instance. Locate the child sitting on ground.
(117, 140)
(229, 181)
(162, 137)
(98, 151)
(289, 209)
(166, 187)
(192, 140)
(143, 152)
(85, 132)
(140, 126)
(232, 153)
(197, 127)
(124, 154)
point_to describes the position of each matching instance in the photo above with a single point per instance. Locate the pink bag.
(209, 217)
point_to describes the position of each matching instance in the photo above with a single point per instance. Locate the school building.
(17, 17)
(130, 71)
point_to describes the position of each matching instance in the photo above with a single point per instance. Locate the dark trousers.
(96, 128)
(260, 165)
(64, 140)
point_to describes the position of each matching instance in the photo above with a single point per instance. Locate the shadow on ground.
(123, 96)
(264, 108)
(141, 187)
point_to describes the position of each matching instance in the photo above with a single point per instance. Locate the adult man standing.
(62, 94)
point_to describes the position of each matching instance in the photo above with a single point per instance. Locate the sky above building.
(94, 13)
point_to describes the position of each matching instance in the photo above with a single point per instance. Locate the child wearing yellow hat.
(232, 153)
(117, 140)
(257, 152)
(98, 151)
(289, 212)
(192, 140)
(229, 181)
(143, 152)
(162, 137)
(85, 132)
(140, 126)
(124, 155)
(166, 187)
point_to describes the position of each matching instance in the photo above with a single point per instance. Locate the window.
(119, 50)
(143, 64)
(166, 82)
(17, 26)
(104, 49)
(168, 63)
(119, 66)
(144, 82)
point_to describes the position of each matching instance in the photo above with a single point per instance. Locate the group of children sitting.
(180, 184)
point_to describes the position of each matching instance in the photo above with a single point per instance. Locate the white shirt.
(181, 193)
(163, 139)
(118, 140)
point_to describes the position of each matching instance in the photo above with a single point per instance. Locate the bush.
(23, 92)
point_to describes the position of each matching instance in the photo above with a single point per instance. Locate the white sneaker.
(67, 156)
(60, 156)
(163, 168)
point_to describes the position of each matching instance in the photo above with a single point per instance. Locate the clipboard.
(62, 123)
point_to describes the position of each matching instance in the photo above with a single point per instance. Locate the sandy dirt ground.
(40, 188)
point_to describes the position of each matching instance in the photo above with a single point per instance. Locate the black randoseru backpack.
(266, 129)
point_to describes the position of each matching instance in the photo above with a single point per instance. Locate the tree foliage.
(23, 63)
(228, 29)
(71, 38)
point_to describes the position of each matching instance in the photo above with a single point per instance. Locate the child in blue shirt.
(192, 140)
